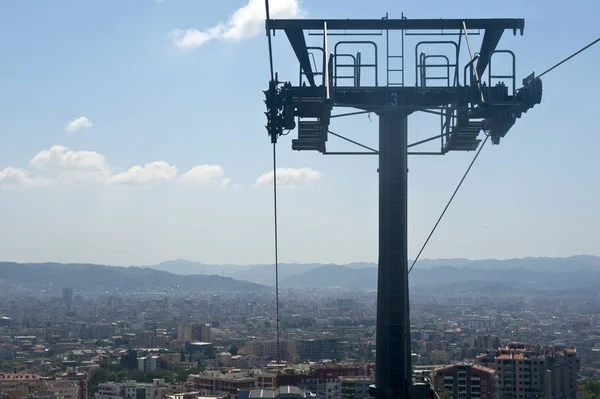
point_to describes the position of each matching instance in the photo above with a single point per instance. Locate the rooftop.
(281, 392)
(18, 376)
(466, 364)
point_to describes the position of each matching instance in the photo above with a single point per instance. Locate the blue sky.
(126, 142)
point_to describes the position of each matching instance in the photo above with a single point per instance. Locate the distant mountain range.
(454, 278)
(260, 274)
(580, 273)
(99, 278)
(426, 272)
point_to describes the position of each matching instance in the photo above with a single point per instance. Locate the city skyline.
(110, 157)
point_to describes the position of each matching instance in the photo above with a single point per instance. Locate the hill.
(91, 278)
(178, 276)
(186, 267)
(264, 274)
(466, 279)
(260, 274)
(334, 276)
(541, 264)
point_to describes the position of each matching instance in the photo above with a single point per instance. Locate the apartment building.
(125, 390)
(268, 348)
(224, 359)
(562, 373)
(466, 381)
(532, 372)
(194, 332)
(266, 380)
(134, 390)
(319, 349)
(201, 333)
(217, 383)
(486, 342)
(322, 382)
(162, 390)
(148, 363)
(148, 340)
(8, 352)
(185, 365)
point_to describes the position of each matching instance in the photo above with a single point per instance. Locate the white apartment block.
(148, 363)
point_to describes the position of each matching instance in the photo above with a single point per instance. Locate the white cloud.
(62, 165)
(14, 177)
(67, 164)
(148, 174)
(78, 124)
(205, 175)
(245, 22)
(289, 177)
(190, 38)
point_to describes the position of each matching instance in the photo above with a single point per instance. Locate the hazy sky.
(133, 132)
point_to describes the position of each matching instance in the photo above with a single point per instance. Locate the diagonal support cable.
(353, 142)
(569, 57)
(427, 140)
(481, 147)
(449, 202)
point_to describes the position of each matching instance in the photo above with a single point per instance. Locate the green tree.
(129, 360)
(210, 352)
(589, 390)
(445, 395)
(182, 375)
(122, 376)
(162, 364)
(104, 364)
(233, 350)
(98, 376)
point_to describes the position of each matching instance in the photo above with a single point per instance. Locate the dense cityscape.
(66, 343)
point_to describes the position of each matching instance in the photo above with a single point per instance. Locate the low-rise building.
(283, 392)
(217, 383)
(79, 377)
(8, 352)
(19, 385)
(353, 387)
(64, 388)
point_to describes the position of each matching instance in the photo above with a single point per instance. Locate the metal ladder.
(389, 57)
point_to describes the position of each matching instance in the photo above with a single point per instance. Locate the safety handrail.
(512, 76)
(419, 60)
(361, 65)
